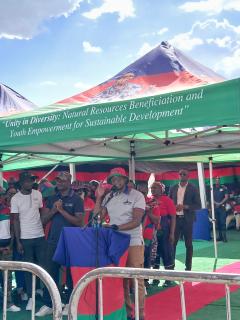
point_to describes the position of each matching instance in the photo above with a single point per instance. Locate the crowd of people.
(32, 216)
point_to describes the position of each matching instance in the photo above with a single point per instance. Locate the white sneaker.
(65, 310)
(13, 308)
(44, 311)
(29, 305)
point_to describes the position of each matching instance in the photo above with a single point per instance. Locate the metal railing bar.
(100, 298)
(228, 302)
(140, 273)
(5, 290)
(136, 298)
(42, 275)
(33, 296)
(172, 275)
(183, 302)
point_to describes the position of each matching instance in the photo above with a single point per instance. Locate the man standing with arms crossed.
(125, 208)
(186, 198)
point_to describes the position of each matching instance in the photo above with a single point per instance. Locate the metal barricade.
(138, 273)
(7, 266)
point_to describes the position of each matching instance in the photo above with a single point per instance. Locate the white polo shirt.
(28, 205)
(120, 208)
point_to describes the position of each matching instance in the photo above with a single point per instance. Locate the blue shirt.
(71, 203)
(219, 193)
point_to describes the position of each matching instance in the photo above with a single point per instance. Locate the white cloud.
(185, 41)
(211, 31)
(24, 19)
(48, 83)
(162, 31)
(211, 7)
(82, 86)
(230, 65)
(155, 33)
(224, 42)
(87, 47)
(124, 9)
(218, 36)
(145, 48)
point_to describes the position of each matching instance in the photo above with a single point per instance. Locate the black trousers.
(184, 226)
(53, 269)
(221, 218)
(34, 250)
(164, 250)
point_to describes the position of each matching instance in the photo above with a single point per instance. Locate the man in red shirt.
(165, 230)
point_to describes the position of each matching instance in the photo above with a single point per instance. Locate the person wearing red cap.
(125, 208)
(165, 229)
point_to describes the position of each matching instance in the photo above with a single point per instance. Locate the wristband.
(114, 227)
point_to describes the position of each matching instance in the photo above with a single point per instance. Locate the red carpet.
(166, 304)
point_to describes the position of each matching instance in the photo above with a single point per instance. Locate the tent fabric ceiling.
(215, 141)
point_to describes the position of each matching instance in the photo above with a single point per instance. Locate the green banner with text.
(217, 104)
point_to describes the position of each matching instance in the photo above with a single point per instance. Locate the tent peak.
(11, 102)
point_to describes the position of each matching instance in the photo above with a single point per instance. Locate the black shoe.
(168, 283)
(147, 284)
(155, 283)
(224, 236)
(219, 239)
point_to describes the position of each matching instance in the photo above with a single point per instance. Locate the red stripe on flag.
(113, 294)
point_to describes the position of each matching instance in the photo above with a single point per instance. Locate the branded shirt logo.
(127, 202)
(68, 204)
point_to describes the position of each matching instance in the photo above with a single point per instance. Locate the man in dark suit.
(186, 198)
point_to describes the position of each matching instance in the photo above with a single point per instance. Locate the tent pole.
(1, 179)
(48, 173)
(72, 169)
(201, 182)
(212, 206)
(132, 157)
(1, 174)
(130, 169)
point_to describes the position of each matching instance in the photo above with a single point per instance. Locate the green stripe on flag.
(224, 180)
(4, 217)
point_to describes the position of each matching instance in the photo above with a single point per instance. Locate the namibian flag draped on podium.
(83, 249)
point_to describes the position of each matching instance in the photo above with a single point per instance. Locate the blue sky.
(50, 50)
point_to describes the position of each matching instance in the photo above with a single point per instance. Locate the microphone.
(114, 189)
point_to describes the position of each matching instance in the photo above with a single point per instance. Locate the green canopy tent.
(149, 128)
(154, 124)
